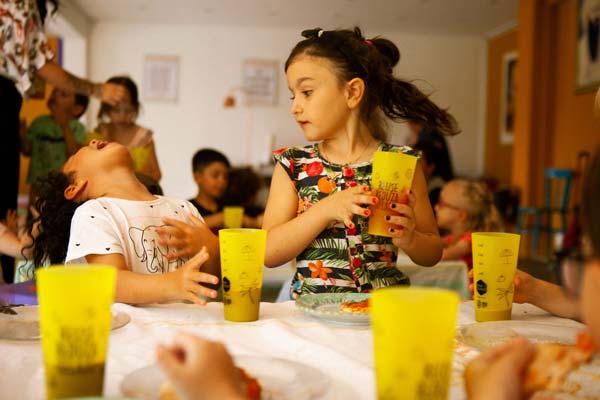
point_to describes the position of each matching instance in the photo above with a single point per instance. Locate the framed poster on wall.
(587, 75)
(161, 78)
(508, 92)
(259, 82)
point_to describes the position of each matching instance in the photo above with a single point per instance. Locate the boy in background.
(211, 174)
(51, 139)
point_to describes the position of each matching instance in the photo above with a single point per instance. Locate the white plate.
(483, 335)
(326, 306)
(279, 379)
(26, 324)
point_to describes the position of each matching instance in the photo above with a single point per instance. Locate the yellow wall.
(553, 123)
(31, 109)
(498, 156)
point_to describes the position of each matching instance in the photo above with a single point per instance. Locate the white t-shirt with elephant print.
(108, 225)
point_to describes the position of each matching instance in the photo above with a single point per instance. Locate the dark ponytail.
(51, 229)
(43, 8)
(373, 61)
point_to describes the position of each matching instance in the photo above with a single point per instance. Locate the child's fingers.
(173, 242)
(200, 290)
(196, 221)
(204, 277)
(175, 223)
(195, 299)
(180, 253)
(401, 208)
(365, 199)
(167, 358)
(400, 221)
(358, 210)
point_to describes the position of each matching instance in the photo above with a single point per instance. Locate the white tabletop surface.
(342, 353)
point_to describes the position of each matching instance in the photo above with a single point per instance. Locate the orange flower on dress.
(318, 270)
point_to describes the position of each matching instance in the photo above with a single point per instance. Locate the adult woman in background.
(24, 54)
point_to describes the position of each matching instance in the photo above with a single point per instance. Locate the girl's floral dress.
(340, 259)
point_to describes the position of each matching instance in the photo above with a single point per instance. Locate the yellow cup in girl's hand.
(233, 216)
(75, 321)
(413, 336)
(392, 178)
(495, 256)
(242, 264)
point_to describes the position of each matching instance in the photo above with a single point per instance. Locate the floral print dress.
(340, 259)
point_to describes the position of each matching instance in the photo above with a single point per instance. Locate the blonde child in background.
(342, 87)
(117, 123)
(465, 207)
(96, 211)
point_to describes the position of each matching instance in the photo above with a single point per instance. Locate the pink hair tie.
(369, 42)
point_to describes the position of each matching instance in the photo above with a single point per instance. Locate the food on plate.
(552, 363)
(355, 307)
(250, 385)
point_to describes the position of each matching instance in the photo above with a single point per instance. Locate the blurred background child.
(117, 123)
(211, 174)
(436, 168)
(243, 188)
(465, 207)
(53, 138)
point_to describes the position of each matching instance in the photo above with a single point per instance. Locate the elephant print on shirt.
(149, 251)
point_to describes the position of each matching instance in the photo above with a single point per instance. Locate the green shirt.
(48, 146)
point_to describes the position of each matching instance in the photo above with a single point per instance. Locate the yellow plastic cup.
(233, 216)
(75, 320)
(495, 258)
(413, 335)
(242, 263)
(392, 178)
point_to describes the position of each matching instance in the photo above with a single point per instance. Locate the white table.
(342, 353)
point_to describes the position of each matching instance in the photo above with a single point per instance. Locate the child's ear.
(74, 190)
(355, 92)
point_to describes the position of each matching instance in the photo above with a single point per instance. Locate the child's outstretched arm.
(288, 234)
(179, 285)
(417, 232)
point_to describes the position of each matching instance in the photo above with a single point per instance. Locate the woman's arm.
(108, 92)
(182, 284)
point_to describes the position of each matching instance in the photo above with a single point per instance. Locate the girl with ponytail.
(343, 92)
(465, 207)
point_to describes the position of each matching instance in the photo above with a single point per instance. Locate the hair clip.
(312, 33)
(369, 42)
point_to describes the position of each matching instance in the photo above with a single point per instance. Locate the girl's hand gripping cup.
(233, 216)
(495, 258)
(242, 263)
(75, 320)
(413, 335)
(392, 179)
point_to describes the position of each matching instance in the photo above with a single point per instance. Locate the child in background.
(435, 169)
(117, 124)
(211, 174)
(96, 211)
(342, 85)
(53, 138)
(242, 190)
(463, 208)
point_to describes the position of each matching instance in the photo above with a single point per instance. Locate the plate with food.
(24, 324)
(339, 308)
(483, 335)
(262, 378)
